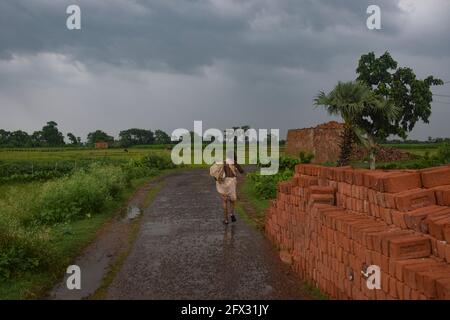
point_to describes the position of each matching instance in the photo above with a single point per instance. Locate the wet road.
(183, 251)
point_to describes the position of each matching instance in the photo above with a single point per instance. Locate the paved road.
(183, 251)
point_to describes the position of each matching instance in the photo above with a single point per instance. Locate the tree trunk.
(346, 146)
(372, 148)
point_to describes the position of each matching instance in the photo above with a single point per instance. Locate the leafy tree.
(161, 137)
(73, 140)
(400, 87)
(36, 139)
(4, 137)
(135, 136)
(51, 135)
(98, 136)
(19, 138)
(346, 100)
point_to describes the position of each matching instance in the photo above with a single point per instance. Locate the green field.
(77, 154)
(419, 149)
(52, 202)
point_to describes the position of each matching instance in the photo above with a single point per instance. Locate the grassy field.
(420, 149)
(37, 242)
(78, 154)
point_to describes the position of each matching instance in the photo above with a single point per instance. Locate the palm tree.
(360, 108)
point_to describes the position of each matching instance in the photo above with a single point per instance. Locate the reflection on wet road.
(183, 251)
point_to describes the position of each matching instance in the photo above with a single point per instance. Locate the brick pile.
(332, 223)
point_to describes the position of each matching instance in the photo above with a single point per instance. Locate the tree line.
(50, 136)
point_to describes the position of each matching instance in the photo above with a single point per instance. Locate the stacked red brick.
(331, 223)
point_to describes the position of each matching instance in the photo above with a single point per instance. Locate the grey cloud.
(164, 63)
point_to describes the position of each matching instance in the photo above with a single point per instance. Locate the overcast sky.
(165, 63)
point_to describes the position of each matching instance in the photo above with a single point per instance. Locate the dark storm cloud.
(165, 63)
(186, 35)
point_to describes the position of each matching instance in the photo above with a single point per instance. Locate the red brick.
(321, 198)
(443, 289)
(426, 280)
(374, 240)
(409, 247)
(389, 200)
(433, 218)
(373, 181)
(398, 218)
(441, 245)
(447, 253)
(358, 176)
(413, 219)
(436, 227)
(407, 292)
(435, 177)
(359, 232)
(414, 199)
(446, 232)
(410, 272)
(442, 195)
(415, 295)
(399, 182)
(400, 290)
(321, 190)
(393, 287)
(397, 266)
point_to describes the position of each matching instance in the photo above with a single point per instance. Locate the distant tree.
(98, 136)
(51, 135)
(161, 137)
(19, 139)
(135, 136)
(4, 137)
(73, 140)
(400, 87)
(37, 140)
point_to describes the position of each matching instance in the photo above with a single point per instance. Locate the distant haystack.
(323, 141)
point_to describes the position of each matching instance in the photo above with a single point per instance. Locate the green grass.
(419, 149)
(69, 154)
(68, 241)
(260, 205)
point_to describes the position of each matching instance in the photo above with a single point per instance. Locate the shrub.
(305, 157)
(147, 166)
(159, 162)
(21, 250)
(443, 153)
(80, 195)
(266, 186)
(285, 163)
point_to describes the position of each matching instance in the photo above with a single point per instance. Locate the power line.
(442, 102)
(441, 95)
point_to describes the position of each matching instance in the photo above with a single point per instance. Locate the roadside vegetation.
(45, 222)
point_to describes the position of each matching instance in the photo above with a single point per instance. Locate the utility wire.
(441, 95)
(441, 102)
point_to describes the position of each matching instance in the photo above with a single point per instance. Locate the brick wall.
(322, 141)
(331, 223)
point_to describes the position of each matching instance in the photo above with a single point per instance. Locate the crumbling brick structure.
(323, 141)
(331, 223)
